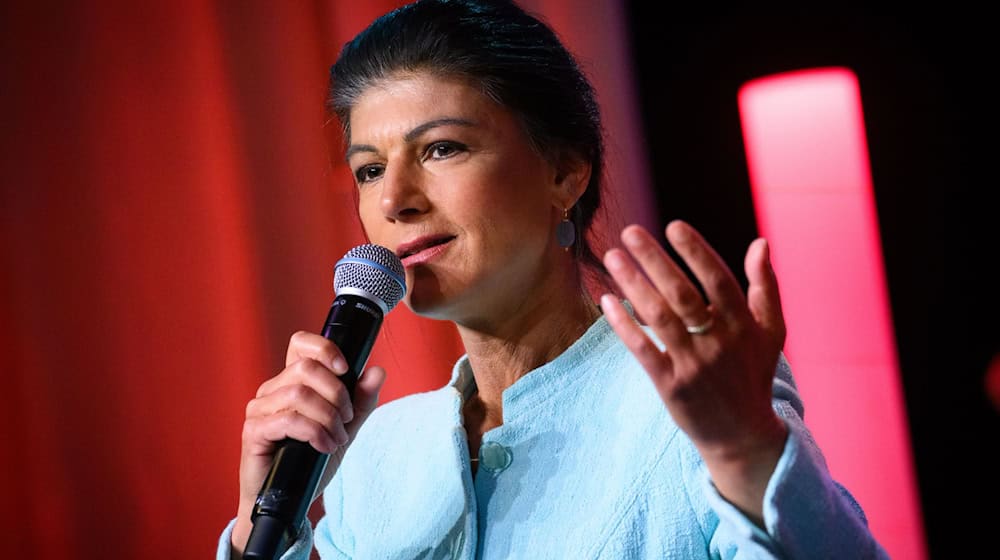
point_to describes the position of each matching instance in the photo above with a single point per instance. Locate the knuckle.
(643, 347)
(636, 340)
(674, 291)
(659, 314)
(714, 352)
(250, 408)
(715, 282)
(299, 392)
(263, 389)
(313, 373)
(249, 430)
(302, 368)
(288, 419)
(297, 338)
(689, 299)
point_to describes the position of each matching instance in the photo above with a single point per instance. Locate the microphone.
(368, 282)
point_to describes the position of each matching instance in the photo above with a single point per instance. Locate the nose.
(403, 195)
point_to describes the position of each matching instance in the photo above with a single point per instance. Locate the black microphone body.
(352, 324)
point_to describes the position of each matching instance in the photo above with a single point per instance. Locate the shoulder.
(420, 427)
(411, 412)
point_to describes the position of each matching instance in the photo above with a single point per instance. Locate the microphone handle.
(284, 499)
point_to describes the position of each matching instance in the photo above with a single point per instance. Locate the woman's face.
(448, 180)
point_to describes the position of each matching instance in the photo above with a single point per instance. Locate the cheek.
(369, 217)
(521, 211)
(515, 230)
(518, 194)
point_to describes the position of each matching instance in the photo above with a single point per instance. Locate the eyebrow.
(412, 134)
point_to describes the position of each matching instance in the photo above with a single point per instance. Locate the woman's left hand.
(715, 381)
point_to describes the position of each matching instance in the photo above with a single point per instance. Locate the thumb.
(763, 298)
(365, 397)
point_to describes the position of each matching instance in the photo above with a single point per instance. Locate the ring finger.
(648, 303)
(667, 277)
(304, 401)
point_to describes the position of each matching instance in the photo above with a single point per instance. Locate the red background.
(171, 210)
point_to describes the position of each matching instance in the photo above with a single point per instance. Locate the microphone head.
(371, 271)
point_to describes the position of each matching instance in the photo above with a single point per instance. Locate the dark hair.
(515, 58)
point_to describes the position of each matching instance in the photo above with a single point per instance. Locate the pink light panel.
(804, 135)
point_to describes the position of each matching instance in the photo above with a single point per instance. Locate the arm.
(806, 513)
(717, 384)
(305, 402)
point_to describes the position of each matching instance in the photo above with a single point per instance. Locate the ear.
(571, 180)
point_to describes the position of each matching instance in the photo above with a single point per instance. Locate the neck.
(503, 351)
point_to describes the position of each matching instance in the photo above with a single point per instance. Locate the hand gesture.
(717, 364)
(305, 402)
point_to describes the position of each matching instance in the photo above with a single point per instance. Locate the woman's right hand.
(306, 402)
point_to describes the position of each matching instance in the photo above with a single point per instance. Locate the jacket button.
(494, 457)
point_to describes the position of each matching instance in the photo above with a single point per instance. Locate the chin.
(428, 310)
(426, 301)
(425, 295)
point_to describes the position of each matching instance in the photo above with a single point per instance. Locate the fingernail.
(630, 236)
(339, 365)
(613, 261)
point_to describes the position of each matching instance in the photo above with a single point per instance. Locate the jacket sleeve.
(807, 514)
(330, 542)
(322, 537)
(299, 550)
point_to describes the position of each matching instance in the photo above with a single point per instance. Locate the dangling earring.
(566, 231)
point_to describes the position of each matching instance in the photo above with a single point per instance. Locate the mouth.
(422, 249)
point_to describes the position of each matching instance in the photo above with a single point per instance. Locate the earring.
(566, 231)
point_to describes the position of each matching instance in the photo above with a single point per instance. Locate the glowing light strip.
(807, 154)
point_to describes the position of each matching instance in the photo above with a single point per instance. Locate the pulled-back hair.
(513, 57)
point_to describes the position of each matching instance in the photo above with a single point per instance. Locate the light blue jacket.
(587, 464)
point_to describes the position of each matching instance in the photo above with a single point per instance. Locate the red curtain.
(170, 216)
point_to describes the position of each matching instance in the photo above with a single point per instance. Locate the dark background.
(924, 84)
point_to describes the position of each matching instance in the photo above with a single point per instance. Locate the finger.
(289, 424)
(311, 345)
(763, 297)
(366, 394)
(316, 375)
(302, 400)
(721, 287)
(648, 303)
(367, 390)
(656, 362)
(668, 278)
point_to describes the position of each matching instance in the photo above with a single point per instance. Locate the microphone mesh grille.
(374, 269)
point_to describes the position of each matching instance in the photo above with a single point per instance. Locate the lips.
(422, 248)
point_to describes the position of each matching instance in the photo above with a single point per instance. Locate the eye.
(367, 173)
(444, 149)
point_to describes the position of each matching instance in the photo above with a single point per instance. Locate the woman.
(653, 426)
